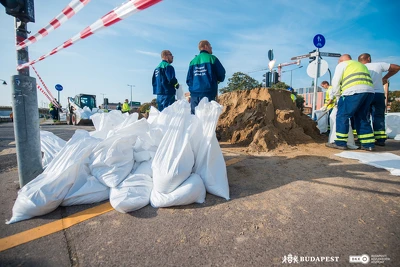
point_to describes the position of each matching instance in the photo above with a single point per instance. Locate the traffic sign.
(327, 54)
(312, 68)
(271, 64)
(270, 55)
(58, 87)
(319, 41)
(300, 57)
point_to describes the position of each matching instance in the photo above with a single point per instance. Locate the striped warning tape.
(114, 16)
(70, 10)
(48, 97)
(48, 91)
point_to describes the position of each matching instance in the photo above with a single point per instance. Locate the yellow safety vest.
(328, 97)
(125, 107)
(355, 73)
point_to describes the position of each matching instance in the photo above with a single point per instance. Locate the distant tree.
(395, 106)
(393, 95)
(280, 85)
(240, 81)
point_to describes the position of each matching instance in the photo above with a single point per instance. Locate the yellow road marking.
(64, 223)
(234, 160)
(53, 227)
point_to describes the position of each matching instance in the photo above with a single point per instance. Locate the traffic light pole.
(314, 104)
(26, 115)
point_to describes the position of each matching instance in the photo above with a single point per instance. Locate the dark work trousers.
(378, 117)
(164, 101)
(195, 100)
(357, 106)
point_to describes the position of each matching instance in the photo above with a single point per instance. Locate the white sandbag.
(50, 145)
(174, 159)
(106, 122)
(141, 156)
(46, 192)
(322, 123)
(210, 163)
(112, 159)
(132, 194)
(86, 189)
(190, 191)
(144, 168)
(392, 121)
(179, 93)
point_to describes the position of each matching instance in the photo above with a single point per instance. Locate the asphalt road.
(316, 207)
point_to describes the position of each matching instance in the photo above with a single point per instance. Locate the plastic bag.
(50, 144)
(190, 191)
(46, 192)
(210, 163)
(132, 194)
(174, 158)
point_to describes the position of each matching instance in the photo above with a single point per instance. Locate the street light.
(103, 100)
(291, 73)
(4, 82)
(131, 93)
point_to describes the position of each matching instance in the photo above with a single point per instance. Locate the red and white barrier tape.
(114, 16)
(70, 10)
(44, 85)
(48, 97)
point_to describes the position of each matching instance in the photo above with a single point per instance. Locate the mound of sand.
(264, 119)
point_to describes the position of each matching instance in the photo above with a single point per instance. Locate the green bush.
(300, 102)
(395, 106)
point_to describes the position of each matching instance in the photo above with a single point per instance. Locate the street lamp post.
(131, 93)
(103, 100)
(291, 73)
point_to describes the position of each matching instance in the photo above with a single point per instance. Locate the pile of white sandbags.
(170, 159)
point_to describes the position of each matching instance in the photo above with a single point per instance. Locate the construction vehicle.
(80, 108)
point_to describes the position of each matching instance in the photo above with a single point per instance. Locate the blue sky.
(240, 32)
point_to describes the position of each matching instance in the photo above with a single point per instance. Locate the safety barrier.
(114, 16)
(51, 97)
(70, 10)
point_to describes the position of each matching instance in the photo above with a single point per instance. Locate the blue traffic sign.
(58, 87)
(319, 41)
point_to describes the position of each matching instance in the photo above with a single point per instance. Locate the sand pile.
(264, 119)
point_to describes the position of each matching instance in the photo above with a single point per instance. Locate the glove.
(323, 109)
(176, 86)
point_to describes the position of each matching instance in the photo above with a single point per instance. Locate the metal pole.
(330, 77)
(131, 93)
(26, 115)
(291, 78)
(314, 105)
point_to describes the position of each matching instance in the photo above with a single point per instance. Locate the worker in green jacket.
(125, 106)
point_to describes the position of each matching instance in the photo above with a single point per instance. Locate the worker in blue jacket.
(164, 81)
(204, 75)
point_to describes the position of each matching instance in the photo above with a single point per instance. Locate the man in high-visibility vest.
(125, 106)
(329, 103)
(54, 110)
(292, 95)
(352, 86)
(378, 105)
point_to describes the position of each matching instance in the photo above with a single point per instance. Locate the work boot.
(357, 142)
(379, 143)
(368, 148)
(333, 145)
